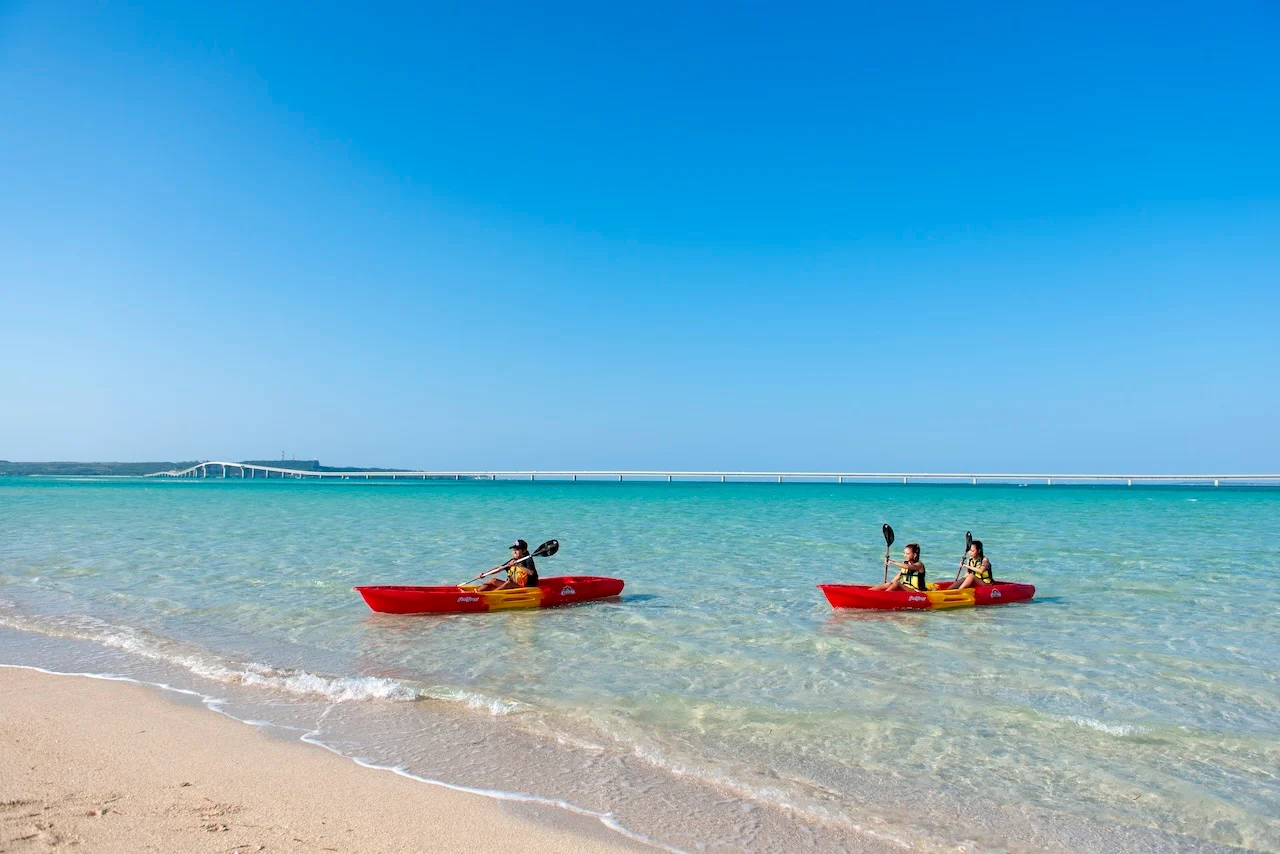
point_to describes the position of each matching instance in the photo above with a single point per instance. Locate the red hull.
(862, 596)
(550, 592)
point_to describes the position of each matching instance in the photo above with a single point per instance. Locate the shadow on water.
(854, 616)
(912, 617)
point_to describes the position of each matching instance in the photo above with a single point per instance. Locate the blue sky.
(881, 236)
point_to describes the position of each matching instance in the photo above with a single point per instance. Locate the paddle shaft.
(968, 541)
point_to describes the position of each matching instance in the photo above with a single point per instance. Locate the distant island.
(63, 469)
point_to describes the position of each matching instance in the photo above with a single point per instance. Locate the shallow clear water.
(720, 702)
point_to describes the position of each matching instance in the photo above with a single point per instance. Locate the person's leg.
(967, 581)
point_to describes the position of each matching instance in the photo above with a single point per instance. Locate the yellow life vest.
(913, 578)
(974, 566)
(523, 574)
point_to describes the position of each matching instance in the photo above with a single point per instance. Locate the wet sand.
(119, 767)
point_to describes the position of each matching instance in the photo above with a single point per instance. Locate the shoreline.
(120, 766)
(589, 818)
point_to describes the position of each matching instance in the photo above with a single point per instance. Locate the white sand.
(118, 767)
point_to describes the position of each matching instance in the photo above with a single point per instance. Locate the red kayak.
(942, 597)
(550, 592)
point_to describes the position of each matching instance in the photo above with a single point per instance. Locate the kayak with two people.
(908, 590)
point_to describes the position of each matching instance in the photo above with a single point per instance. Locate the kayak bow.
(550, 592)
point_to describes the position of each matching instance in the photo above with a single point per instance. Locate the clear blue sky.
(742, 235)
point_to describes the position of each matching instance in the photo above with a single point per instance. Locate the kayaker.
(910, 572)
(977, 569)
(520, 570)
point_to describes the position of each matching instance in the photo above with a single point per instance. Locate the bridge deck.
(253, 470)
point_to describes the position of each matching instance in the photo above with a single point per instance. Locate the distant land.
(8, 468)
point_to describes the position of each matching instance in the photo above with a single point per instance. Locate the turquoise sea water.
(720, 704)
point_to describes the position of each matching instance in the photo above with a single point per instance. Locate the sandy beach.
(120, 767)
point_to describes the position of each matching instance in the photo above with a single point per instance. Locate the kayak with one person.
(521, 589)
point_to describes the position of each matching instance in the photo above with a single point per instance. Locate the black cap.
(519, 544)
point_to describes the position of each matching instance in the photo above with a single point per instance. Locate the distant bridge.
(223, 469)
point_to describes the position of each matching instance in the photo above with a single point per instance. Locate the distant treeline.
(125, 469)
(139, 469)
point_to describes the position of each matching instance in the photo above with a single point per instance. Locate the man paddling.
(520, 570)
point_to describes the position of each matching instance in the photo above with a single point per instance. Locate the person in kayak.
(977, 569)
(910, 572)
(520, 570)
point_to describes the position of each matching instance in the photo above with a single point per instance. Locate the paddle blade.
(888, 535)
(968, 541)
(547, 549)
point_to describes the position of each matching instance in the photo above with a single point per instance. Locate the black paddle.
(547, 549)
(888, 541)
(968, 541)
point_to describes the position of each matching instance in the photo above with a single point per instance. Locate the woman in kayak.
(910, 572)
(520, 570)
(977, 569)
